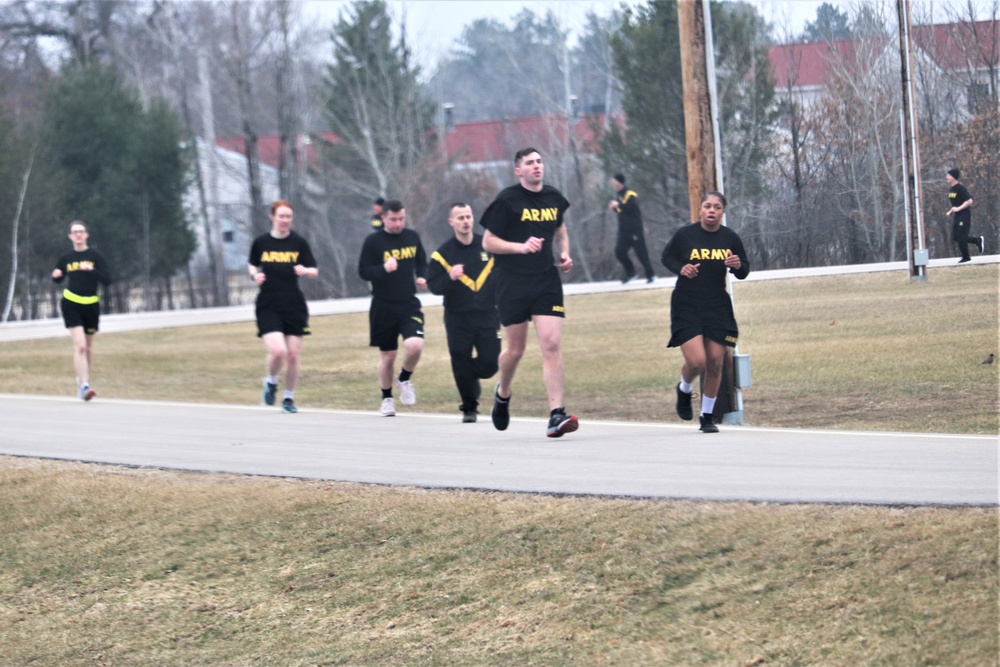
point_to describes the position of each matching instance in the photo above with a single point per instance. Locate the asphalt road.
(431, 450)
(437, 451)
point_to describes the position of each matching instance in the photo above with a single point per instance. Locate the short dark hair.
(955, 173)
(458, 203)
(713, 193)
(379, 201)
(521, 153)
(620, 178)
(393, 206)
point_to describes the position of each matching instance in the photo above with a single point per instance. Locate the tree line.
(107, 108)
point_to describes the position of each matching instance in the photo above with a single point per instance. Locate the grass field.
(101, 565)
(866, 351)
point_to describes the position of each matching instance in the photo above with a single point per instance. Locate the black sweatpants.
(475, 330)
(635, 240)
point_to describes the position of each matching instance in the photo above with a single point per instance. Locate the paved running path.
(437, 451)
(619, 459)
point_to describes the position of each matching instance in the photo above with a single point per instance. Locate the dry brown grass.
(109, 566)
(125, 567)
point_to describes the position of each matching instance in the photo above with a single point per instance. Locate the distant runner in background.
(961, 206)
(80, 304)
(377, 214)
(630, 233)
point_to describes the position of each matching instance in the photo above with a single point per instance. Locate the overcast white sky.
(434, 25)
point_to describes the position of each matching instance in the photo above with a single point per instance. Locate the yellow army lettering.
(539, 215)
(558, 309)
(80, 266)
(709, 253)
(401, 253)
(285, 257)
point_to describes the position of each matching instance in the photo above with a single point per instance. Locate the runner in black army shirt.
(463, 272)
(522, 225)
(277, 259)
(377, 213)
(702, 323)
(390, 259)
(630, 232)
(961, 206)
(80, 304)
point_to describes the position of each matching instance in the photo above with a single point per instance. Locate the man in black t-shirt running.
(523, 224)
(393, 261)
(961, 207)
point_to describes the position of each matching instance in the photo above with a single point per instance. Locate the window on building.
(978, 95)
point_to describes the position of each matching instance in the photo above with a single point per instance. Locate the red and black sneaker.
(560, 424)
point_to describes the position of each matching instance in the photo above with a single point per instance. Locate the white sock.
(707, 405)
(686, 387)
(289, 394)
(270, 379)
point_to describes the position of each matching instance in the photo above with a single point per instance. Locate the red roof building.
(971, 48)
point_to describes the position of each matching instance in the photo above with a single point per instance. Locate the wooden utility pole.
(916, 253)
(704, 158)
(698, 128)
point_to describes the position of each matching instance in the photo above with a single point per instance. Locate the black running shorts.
(519, 297)
(388, 320)
(86, 315)
(692, 317)
(291, 319)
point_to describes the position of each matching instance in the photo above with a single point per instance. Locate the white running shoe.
(407, 396)
(388, 407)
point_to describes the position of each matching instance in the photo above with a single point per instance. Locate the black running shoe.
(270, 392)
(288, 405)
(501, 411)
(560, 424)
(469, 417)
(684, 404)
(708, 424)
